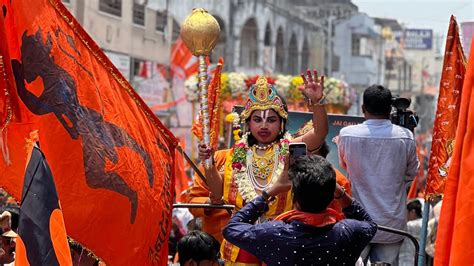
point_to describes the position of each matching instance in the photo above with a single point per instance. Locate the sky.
(420, 14)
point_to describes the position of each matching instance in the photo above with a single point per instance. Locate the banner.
(447, 113)
(111, 158)
(454, 245)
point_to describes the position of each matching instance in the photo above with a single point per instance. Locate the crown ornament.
(263, 96)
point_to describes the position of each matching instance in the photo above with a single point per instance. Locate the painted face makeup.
(265, 125)
(264, 115)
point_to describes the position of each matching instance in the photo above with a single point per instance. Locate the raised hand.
(313, 86)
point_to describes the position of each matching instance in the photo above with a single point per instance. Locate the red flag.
(110, 156)
(42, 238)
(454, 245)
(447, 112)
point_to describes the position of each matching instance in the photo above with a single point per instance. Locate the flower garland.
(283, 84)
(236, 83)
(337, 92)
(294, 93)
(240, 169)
(225, 89)
(235, 120)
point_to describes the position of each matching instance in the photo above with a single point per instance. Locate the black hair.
(198, 246)
(252, 140)
(415, 205)
(378, 100)
(314, 182)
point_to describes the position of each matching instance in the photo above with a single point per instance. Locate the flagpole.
(424, 232)
(200, 33)
(204, 101)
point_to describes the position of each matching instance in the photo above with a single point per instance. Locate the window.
(249, 45)
(176, 31)
(113, 7)
(138, 14)
(355, 48)
(160, 21)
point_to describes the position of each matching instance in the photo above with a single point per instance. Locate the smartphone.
(297, 149)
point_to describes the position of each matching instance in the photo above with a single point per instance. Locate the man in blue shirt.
(310, 234)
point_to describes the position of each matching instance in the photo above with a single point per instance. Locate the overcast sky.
(429, 14)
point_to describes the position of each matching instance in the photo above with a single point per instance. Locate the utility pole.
(421, 76)
(230, 38)
(329, 67)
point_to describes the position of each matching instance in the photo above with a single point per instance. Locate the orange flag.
(42, 238)
(215, 107)
(454, 244)
(447, 112)
(182, 180)
(110, 156)
(413, 192)
(183, 63)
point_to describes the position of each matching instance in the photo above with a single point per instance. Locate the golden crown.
(263, 96)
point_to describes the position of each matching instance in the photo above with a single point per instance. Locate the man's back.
(379, 158)
(297, 243)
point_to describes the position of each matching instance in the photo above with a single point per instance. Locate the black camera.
(403, 117)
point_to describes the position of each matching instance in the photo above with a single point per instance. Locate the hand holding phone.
(297, 149)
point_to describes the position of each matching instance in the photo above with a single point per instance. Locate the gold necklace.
(262, 166)
(264, 147)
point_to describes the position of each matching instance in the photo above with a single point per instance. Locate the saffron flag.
(454, 245)
(110, 156)
(413, 192)
(42, 238)
(183, 63)
(447, 113)
(181, 178)
(214, 108)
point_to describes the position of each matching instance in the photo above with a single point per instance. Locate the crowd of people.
(308, 212)
(296, 211)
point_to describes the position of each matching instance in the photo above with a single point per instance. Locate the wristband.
(322, 101)
(267, 197)
(216, 200)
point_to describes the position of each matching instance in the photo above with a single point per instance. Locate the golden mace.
(200, 33)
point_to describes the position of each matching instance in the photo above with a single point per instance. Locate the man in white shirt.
(380, 159)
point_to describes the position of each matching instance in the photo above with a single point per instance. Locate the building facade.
(327, 13)
(258, 36)
(359, 49)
